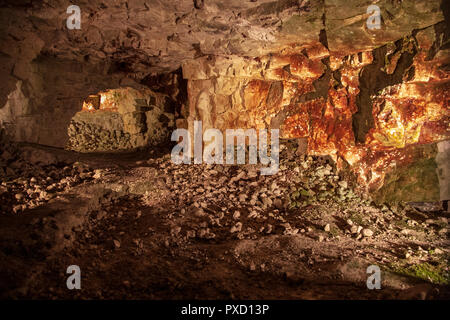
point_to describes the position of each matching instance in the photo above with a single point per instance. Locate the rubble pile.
(28, 180)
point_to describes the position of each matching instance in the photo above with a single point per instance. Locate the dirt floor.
(141, 227)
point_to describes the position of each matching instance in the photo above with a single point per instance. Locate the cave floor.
(143, 228)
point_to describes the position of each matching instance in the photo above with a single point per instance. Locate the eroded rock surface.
(122, 119)
(311, 68)
(305, 233)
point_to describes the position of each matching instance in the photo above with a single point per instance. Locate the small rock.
(43, 195)
(202, 233)
(343, 184)
(236, 228)
(199, 212)
(278, 203)
(175, 231)
(190, 234)
(116, 243)
(97, 174)
(253, 214)
(367, 233)
(3, 190)
(242, 197)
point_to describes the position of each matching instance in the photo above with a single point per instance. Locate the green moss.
(357, 218)
(295, 195)
(334, 231)
(401, 224)
(143, 187)
(417, 182)
(305, 193)
(425, 271)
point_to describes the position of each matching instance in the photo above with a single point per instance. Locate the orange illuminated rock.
(91, 103)
(310, 93)
(297, 124)
(405, 115)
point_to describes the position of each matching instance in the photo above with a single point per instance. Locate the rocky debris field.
(30, 178)
(90, 137)
(147, 228)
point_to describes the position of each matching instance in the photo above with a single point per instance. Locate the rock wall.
(123, 119)
(369, 109)
(443, 169)
(311, 68)
(47, 70)
(46, 98)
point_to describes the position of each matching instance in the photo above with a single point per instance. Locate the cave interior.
(93, 91)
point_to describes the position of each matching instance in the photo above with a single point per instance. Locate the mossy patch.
(425, 271)
(358, 219)
(335, 231)
(143, 187)
(417, 182)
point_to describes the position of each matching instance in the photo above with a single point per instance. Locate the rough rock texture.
(44, 100)
(346, 22)
(119, 42)
(302, 233)
(311, 68)
(416, 180)
(443, 168)
(364, 109)
(121, 119)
